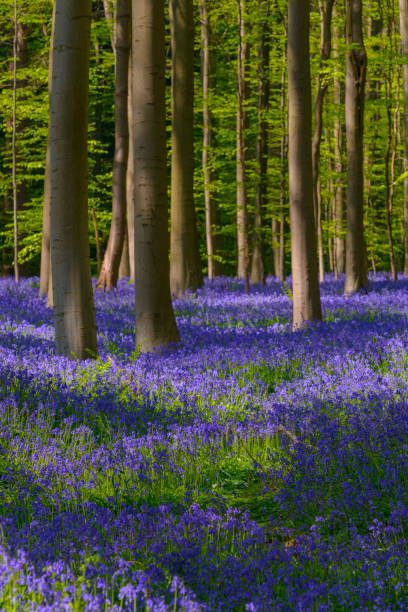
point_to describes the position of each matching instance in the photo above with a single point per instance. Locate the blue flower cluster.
(250, 468)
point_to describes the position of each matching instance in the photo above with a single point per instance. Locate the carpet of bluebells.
(250, 468)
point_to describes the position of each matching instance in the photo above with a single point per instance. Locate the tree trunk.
(75, 327)
(325, 9)
(45, 270)
(210, 213)
(339, 208)
(124, 267)
(13, 146)
(185, 264)
(306, 295)
(403, 7)
(242, 148)
(258, 268)
(356, 67)
(155, 322)
(130, 187)
(110, 268)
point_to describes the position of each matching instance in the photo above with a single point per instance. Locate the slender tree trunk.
(110, 268)
(306, 295)
(339, 207)
(242, 148)
(281, 272)
(130, 187)
(45, 270)
(109, 16)
(155, 322)
(13, 146)
(185, 264)
(258, 268)
(403, 8)
(210, 213)
(325, 9)
(75, 327)
(356, 67)
(124, 267)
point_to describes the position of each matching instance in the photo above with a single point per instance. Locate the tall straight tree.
(356, 68)
(155, 322)
(306, 295)
(403, 11)
(75, 327)
(257, 267)
(108, 275)
(242, 149)
(45, 270)
(326, 10)
(208, 174)
(338, 128)
(185, 265)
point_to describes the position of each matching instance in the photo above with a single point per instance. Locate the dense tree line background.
(383, 148)
(241, 143)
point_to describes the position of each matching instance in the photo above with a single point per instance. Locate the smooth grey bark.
(45, 269)
(208, 174)
(13, 147)
(306, 295)
(130, 188)
(74, 316)
(124, 266)
(257, 266)
(185, 264)
(403, 11)
(155, 322)
(242, 150)
(108, 275)
(339, 193)
(326, 10)
(356, 68)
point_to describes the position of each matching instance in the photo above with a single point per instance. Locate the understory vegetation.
(250, 468)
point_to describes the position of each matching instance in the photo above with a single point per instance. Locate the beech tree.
(185, 264)
(155, 322)
(110, 268)
(403, 10)
(74, 316)
(325, 9)
(356, 68)
(306, 295)
(242, 150)
(208, 174)
(257, 266)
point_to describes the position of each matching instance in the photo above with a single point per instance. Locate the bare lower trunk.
(210, 213)
(130, 187)
(110, 268)
(124, 267)
(75, 327)
(185, 265)
(258, 268)
(403, 7)
(325, 8)
(356, 67)
(155, 322)
(45, 273)
(306, 295)
(242, 125)
(339, 207)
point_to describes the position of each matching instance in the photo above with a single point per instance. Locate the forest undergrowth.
(250, 468)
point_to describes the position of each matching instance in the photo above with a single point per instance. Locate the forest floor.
(250, 468)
